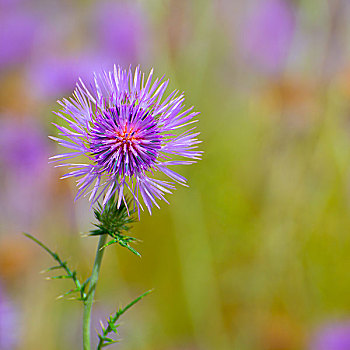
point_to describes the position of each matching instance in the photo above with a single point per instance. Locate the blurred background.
(255, 255)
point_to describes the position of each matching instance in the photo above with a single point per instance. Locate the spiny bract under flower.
(127, 133)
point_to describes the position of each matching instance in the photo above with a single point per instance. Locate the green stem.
(90, 296)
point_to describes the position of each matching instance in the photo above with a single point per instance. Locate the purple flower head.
(268, 32)
(335, 336)
(8, 323)
(127, 133)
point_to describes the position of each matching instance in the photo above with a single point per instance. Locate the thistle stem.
(90, 296)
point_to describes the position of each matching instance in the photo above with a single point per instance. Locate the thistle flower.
(127, 133)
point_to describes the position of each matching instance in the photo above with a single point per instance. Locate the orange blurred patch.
(281, 333)
(342, 82)
(15, 257)
(297, 101)
(293, 94)
(15, 90)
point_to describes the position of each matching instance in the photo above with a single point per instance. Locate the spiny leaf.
(112, 326)
(54, 255)
(127, 307)
(109, 340)
(124, 242)
(61, 264)
(126, 245)
(51, 269)
(58, 277)
(83, 286)
(67, 293)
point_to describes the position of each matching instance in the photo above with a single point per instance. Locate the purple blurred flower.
(7, 4)
(127, 132)
(122, 30)
(267, 34)
(17, 36)
(8, 323)
(23, 169)
(116, 32)
(335, 336)
(54, 76)
(22, 146)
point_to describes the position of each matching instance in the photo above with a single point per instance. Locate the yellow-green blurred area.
(255, 253)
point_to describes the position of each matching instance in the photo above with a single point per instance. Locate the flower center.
(125, 143)
(128, 137)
